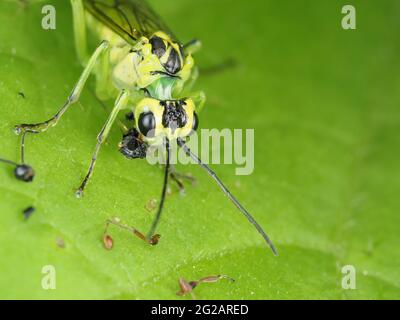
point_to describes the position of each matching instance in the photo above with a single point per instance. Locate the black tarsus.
(249, 217)
(163, 194)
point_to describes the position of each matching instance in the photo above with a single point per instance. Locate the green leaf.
(324, 105)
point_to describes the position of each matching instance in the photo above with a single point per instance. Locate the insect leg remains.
(188, 287)
(108, 242)
(73, 97)
(213, 175)
(178, 182)
(120, 104)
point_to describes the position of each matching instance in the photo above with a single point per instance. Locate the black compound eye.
(147, 124)
(173, 64)
(195, 122)
(158, 46)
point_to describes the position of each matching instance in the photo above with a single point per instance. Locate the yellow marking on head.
(163, 36)
(157, 109)
(189, 108)
(153, 106)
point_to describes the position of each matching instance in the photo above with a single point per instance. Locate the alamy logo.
(49, 277)
(49, 19)
(349, 277)
(349, 20)
(232, 147)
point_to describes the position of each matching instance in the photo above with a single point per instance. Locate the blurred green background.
(324, 105)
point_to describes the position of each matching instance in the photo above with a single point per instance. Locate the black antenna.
(213, 175)
(9, 162)
(164, 191)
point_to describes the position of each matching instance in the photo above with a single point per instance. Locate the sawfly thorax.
(160, 57)
(170, 53)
